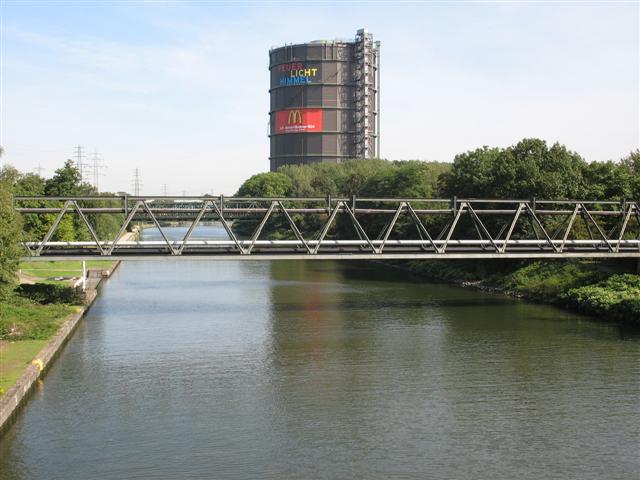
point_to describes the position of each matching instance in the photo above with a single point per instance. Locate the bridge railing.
(343, 226)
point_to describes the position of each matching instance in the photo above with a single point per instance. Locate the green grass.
(44, 270)
(24, 319)
(25, 327)
(14, 358)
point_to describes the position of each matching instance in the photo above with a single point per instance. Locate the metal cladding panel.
(326, 96)
(301, 144)
(277, 162)
(305, 78)
(312, 51)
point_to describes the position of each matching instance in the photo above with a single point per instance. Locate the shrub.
(46, 293)
(617, 298)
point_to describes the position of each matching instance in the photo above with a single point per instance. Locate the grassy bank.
(15, 356)
(48, 270)
(32, 315)
(25, 327)
(606, 290)
(25, 319)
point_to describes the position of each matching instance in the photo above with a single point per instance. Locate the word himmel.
(298, 74)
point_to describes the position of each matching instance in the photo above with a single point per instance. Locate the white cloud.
(184, 96)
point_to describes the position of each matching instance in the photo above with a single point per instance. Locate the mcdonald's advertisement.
(299, 120)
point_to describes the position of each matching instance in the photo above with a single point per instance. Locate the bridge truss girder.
(619, 240)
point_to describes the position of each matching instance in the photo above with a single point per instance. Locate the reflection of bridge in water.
(346, 228)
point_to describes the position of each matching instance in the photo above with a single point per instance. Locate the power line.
(38, 170)
(78, 153)
(136, 182)
(96, 166)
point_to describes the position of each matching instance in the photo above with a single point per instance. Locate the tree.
(35, 226)
(403, 179)
(10, 232)
(631, 164)
(471, 174)
(527, 169)
(270, 184)
(66, 182)
(607, 181)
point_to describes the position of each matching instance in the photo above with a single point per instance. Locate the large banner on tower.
(298, 73)
(297, 120)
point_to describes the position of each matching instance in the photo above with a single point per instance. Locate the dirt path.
(24, 278)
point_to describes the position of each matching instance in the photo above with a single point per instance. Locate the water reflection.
(326, 370)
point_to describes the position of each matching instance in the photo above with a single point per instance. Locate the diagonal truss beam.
(456, 219)
(482, 227)
(294, 227)
(421, 228)
(359, 228)
(605, 229)
(390, 226)
(536, 221)
(521, 207)
(53, 228)
(327, 225)
(89, 227)
(572, 219)
(598, 229)
(258, 230)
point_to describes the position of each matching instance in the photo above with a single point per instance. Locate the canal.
(242, 370)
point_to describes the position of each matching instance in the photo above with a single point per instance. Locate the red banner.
(299, 120)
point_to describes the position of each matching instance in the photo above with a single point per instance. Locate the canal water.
(296, 370)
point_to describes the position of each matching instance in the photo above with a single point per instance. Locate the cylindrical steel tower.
(324, 101)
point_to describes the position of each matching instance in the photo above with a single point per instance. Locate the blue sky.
(180, 89)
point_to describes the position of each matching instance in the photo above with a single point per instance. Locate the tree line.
(527, 169)
(531, 168)
(14, 228)
(66, 182)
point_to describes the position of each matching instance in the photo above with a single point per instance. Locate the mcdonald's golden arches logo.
(295, 117)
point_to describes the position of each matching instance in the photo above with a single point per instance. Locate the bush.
(617, 298)
(46, 293)
(547, 280)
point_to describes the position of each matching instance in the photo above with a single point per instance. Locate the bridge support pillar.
(84, 276)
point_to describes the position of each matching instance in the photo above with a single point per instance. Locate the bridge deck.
(521, 228)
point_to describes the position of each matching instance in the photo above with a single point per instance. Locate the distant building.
(325, 101)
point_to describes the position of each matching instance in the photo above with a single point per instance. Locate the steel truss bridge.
(430, 228)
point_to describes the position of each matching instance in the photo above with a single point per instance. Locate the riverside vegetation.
(609, 290)
(531, 168)
(31, 314)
